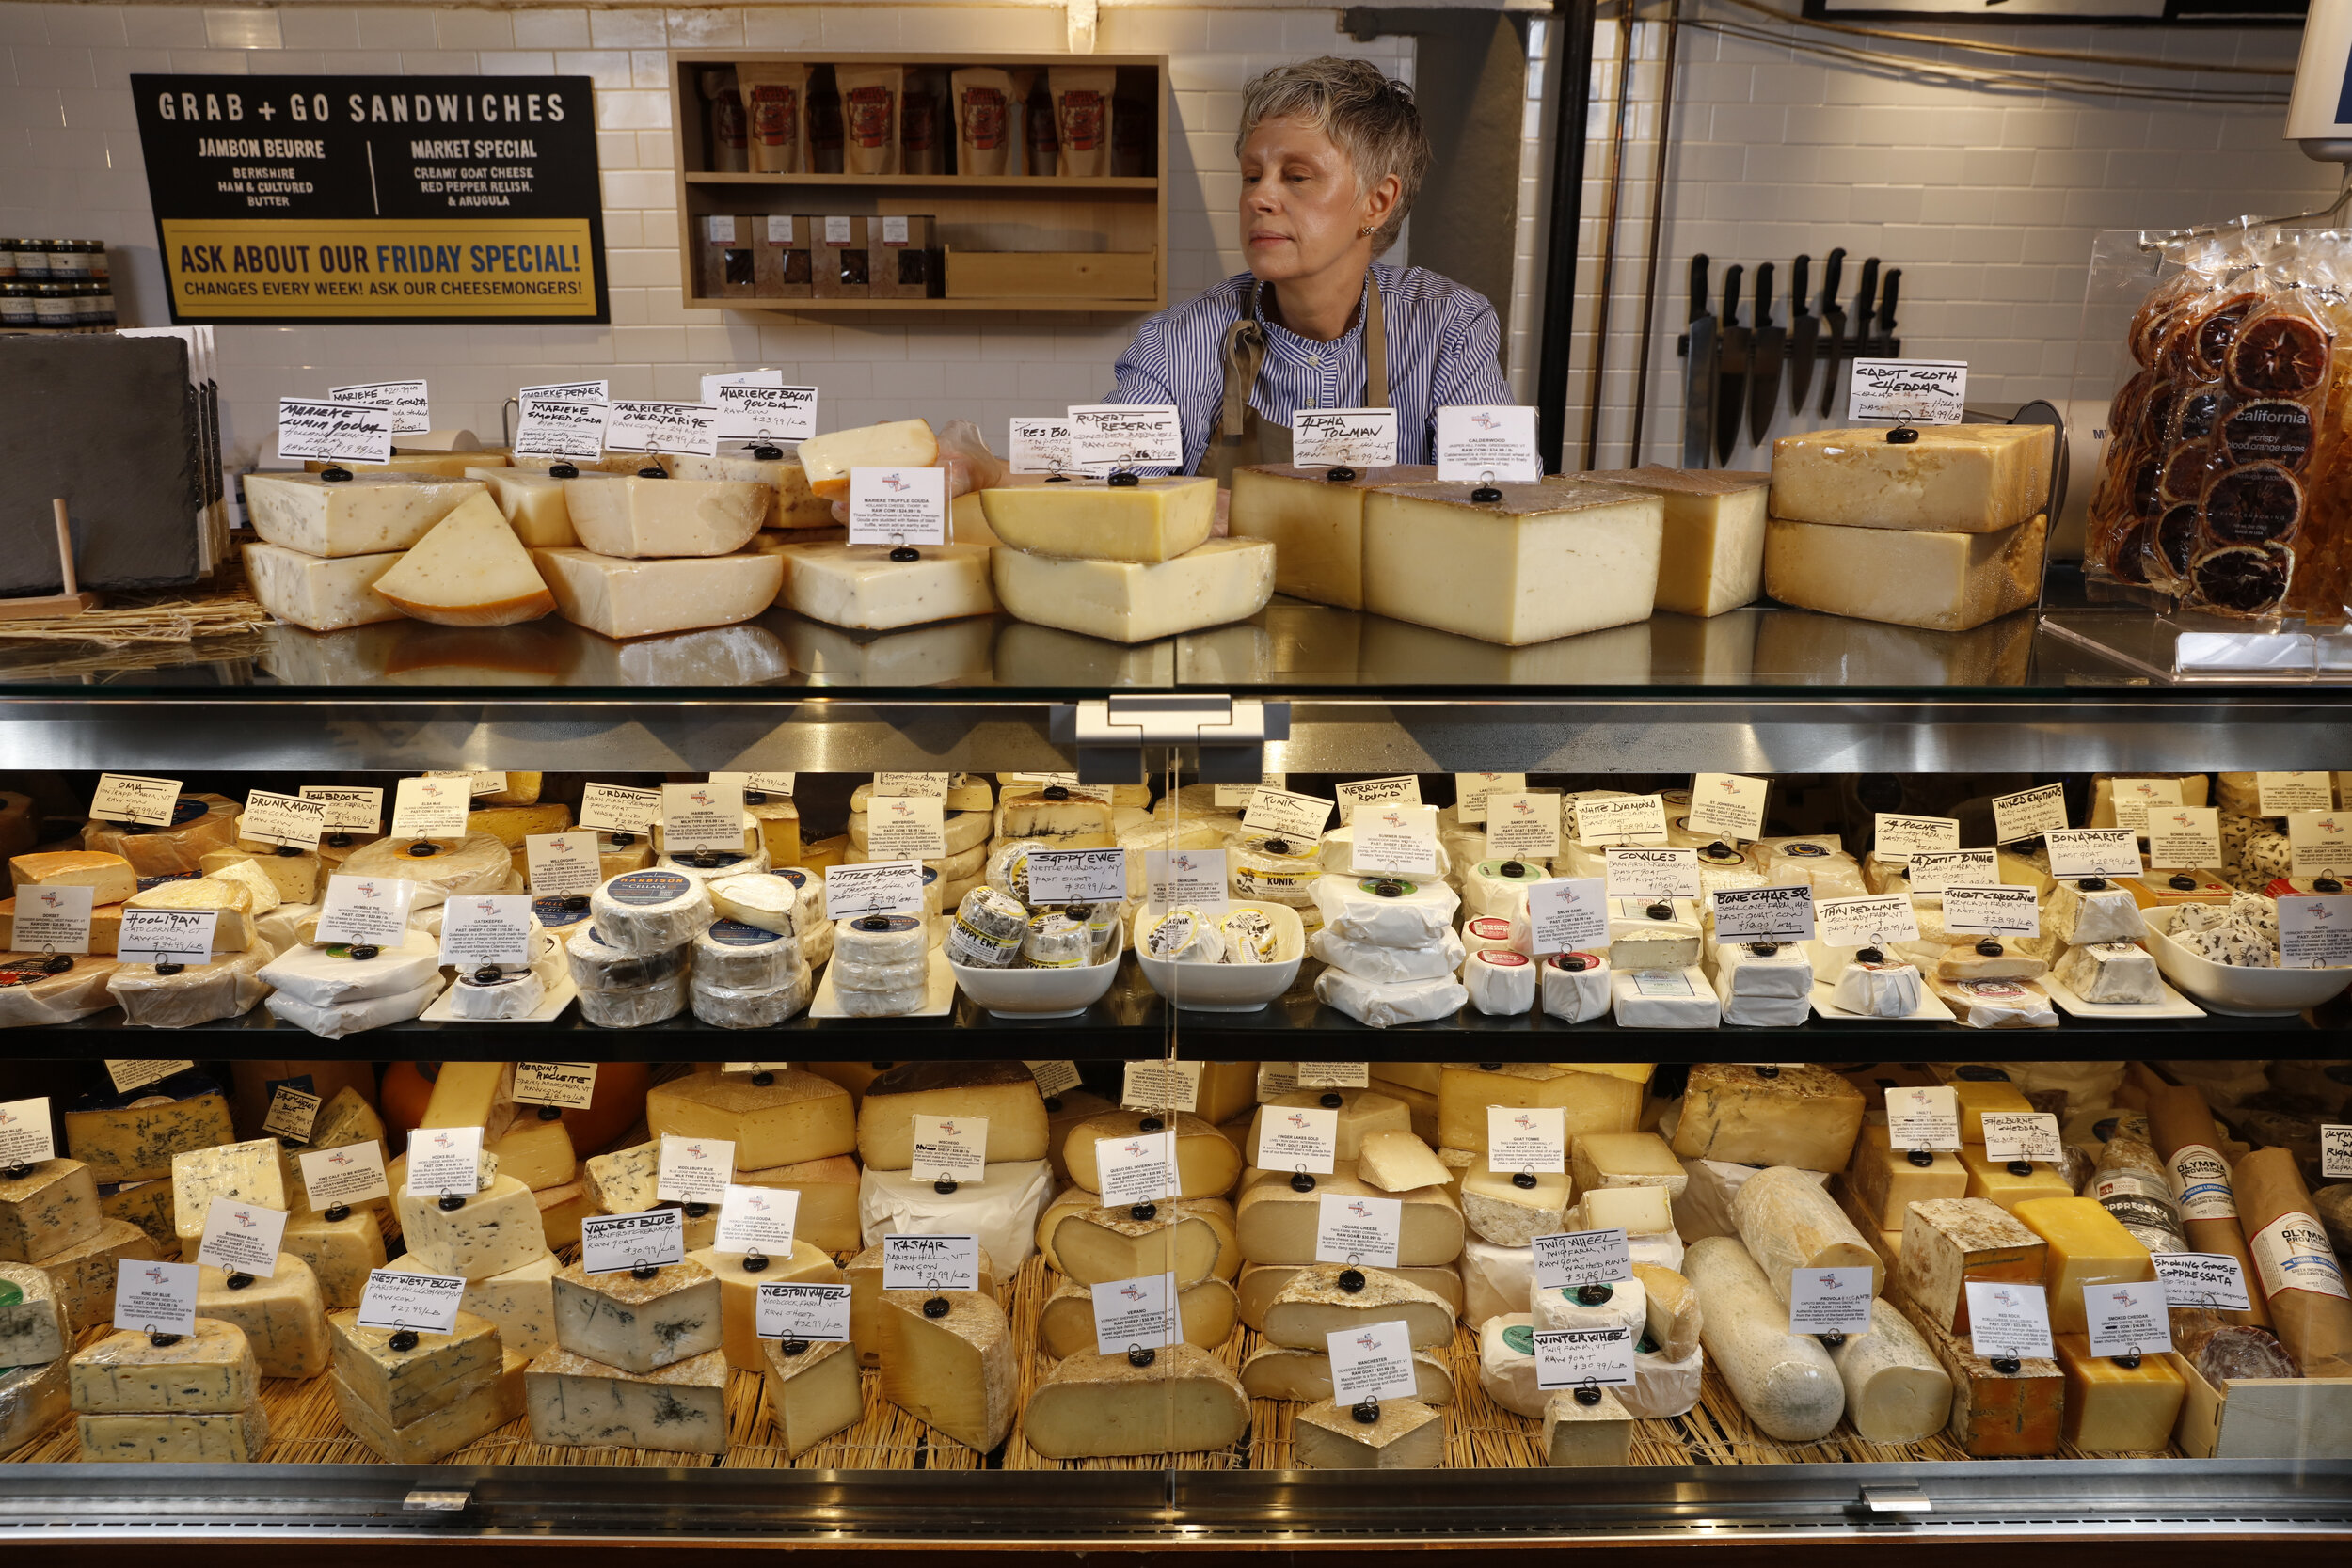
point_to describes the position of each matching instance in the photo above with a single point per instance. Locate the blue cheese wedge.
(406, 1386)
(283, 1316)
(639, 1325)
(207, 1372)
(247, 1172)
(33, 1328)
(178, 1437)
(47, 1209)
(578, 1402)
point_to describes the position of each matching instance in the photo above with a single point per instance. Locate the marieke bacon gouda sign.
(395, 199)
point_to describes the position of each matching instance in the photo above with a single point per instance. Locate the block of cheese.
(1712, 557)
(1544, 562)
(83, 1276)
(294, 876)
(284, 1317)
(199, 822)
(494, 1231)
(740, 1276)
(1207, 1163)
(1785, 1382)
(1359, 1114)
(133, 1137)
(206, 1372)
(520, 1303)
(2086, 1247)
(1407, 1435)
(1315, 522)
(2017, 1414)
(33, 1399)
(794, 1118)
(1259, 1285)
(1397, 1162)
(533, 504)
(436, 1436)
(1056, 821)
(234, 1436)
(404, 1385)
(1094, 1406)
(620, 598)
(579, 1402)
(364, 515)
(1151, 520)
(813, 1391)
(1577, 1432)
(860, 587)
(1275, 1225)
(33, 1327)
(827, 459)
(1960, 478)
(1803, 1115)
(622, 1181)
(251, 1172)
(511, 825)
(1004, 1092)
(1125, 601)
(1790, 1225)
(109, 877)
(536, 1153)
(1948, 1243)
(469, 570)
(339, 1253)
(231, 901)
(1095, 1244)
(144, 1204)
(638, 1324)
(1317, 1302)
(955, 1371)
(1207, 1313)
(2113, 1406)
(864, 1274)
(48, 1210)
(1636, 1211)
(1626, 1160)
(635, 518)
(2010, 1182)
(1897, 1388)
(1939, 581)
(411, 462)
(1287, 1372)
(1976, 1096)
(1590, 1102)
(1002, 1208)
(829, 1198)
(1671, 1310)
(1513, 1207)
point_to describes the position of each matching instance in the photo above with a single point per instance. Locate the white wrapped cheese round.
(1337, 853)
(598, 966)
(228, 987)
(1501, 985)
(330, 975)
(1249, 936)
(1489, 933)
(988, 930)
(1506, 1364)
(1500, 887)
(637, 1007)
(1267, 868)
(478, 863)
(1877, 989)
(1002, 1208)
(1441, 956)
(1785, 1382)
(1495, 1280)
(710, 865)
(1661, 1387)
(650, 911)
(1183, 936)
(894, 997)
(1897, 1389)
(727, 1007)
(1007, 866)
(1576, 987)
(744, 958)
(496, 996)
(1386, 911)
(337, 1020)
(1055, 942)
(1382, 1007)
(877, 942)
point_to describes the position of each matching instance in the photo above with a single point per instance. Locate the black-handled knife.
(1699, 387)
(1865, 304)
(1805, 331)
(1731, 373)
(1886, 345)
(1833, 325)
(1771, 347)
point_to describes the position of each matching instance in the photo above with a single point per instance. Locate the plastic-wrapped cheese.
(1767, 985)
(1387, 911)
(635, 1007)
(2112, 972)
(1653, 933)
(1998, 1004)
(1430, 960)
(744, 958)
(1007, 866)
(329, 975)
(1500, 887)
(730, 1008)
(890, 991)
(988, 930)
(1269, 869)
(1183, 936)
(1877, 989)
(1501, 985)
(877, 942)
(2091, 911)
(711, 865)
(1249, 937)
(1576, 987)
(334, 1020)
(1663, 999)
(1369, 1002)
(650, 911)
(200, 823)
(597, 965)
(478, 863)
(228, 987)
(1055, 942)
(36, 993)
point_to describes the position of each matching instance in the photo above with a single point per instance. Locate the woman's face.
(1301, 208)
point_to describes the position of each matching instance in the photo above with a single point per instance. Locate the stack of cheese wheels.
(657, 553)
(965, 823)
(327, 538)
(631, 961)
(1946, 530)
(1124, 558)
(1389, 946)
(877, 587)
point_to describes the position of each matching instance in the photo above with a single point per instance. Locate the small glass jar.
(16, 307)
(98, 268)
(68, 261)
(101, 304)
(32, 260)
(53, 306)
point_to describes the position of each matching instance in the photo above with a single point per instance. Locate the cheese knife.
(1770, 346)
(1698, 393)
(1805, 332)
(1858, 341)
(1833, 325)
(1731, 369)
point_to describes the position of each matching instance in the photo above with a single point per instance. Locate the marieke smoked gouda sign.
(394, 199)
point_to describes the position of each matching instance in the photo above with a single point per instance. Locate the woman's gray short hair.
(1368, 116)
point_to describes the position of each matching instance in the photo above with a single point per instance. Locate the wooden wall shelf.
(1015, 212)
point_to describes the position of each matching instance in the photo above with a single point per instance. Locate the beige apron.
(1242, 438)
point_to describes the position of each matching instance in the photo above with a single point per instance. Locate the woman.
(1332, 155)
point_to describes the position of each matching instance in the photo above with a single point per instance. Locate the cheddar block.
(367, 514)
(1206, 1163)
(2087, 1248)
(827, 459)
(860, 587)
(795, 1118)
(1592, 1101)
(1003, 1092)
(642, 598)
(511, 825)
(1544, 562)
(470, 570)
(1948, 1243)
(109, 877)
(2112, 1407)
(955, 1371)
(533, 504)
(1938, 582)
(792, 504)
(1277, 1225)
(1315, 522)
(1151, 520)
(636, 519)
(813, 1391)
(1886, 1181)
(1801, 1116)
(1711, 556)
(1996, 1413)
(1957, 478)
(105, 928)
(1123, 601)
(2010, 1182)
(1976, 1096)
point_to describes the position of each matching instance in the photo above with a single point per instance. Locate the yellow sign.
(393, 269)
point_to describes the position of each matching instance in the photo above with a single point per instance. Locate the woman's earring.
(1362, 233)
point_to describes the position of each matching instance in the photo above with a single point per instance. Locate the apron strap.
(1243, 355)
(1376, 345)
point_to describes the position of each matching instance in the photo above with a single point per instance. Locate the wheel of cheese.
(1576, 992)
(228, 987)
(708, 866)
(874, 942)
(1055, 942)
(729, 1007)
(1386, 911)
(650, 911)
(502, 998)
(199, 824)
(1501, 985)
(638, 1007)
(1006, 868)
(478, 863)
(736, 956)
(598, 964)
(1183, 936)
(1500, 887)
(1274, 870)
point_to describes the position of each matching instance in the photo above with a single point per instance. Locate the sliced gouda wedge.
(470, 571)
(533, 504)
(899, 444)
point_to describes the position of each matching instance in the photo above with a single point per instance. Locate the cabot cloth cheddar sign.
(394, 199)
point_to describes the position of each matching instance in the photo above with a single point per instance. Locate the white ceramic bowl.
(2243, 993)
(1229, 987)
(1041, 992)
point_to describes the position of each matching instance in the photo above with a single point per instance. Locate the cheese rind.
(620, 598)
(1948, 1243)
(1711, 556)
(860, 587)
(469, 571)
(1790, 1225)
(1217, 581)
(1155, 519)
(1963, 478)
(1938, 582)
(1094, 1406)
(1995, 1414)
(1804, 1115)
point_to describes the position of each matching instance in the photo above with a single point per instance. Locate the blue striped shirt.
(1442, 353)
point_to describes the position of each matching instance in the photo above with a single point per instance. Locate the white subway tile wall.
(1988, 199)
(70, 166)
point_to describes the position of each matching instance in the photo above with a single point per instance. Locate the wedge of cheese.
(1544, 562)
(1183, 1400)
(1150, 520)
(533, 503)
(1712, 556)
(642, 598)
(860, 587)
(1315, 523)
(955, 1371)
(231, 900)
(1125, 601)
(109, 877)
(792, 504)
(2088, 1247)
(636, 518)
(1942, 581)
(470, 570)
(897, 444)
(1954, 478)
(321, 594)
(1317, 1302)
(366, 516)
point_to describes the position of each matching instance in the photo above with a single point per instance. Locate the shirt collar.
(1290, 345)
